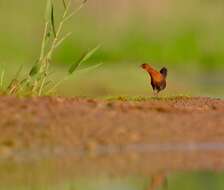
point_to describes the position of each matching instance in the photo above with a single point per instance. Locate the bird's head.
(145, 66)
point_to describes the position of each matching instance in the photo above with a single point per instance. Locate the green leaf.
(92, 67)
(49, 15)
(83, 59)
(64, 3)
(52, 19)
(48, 35)
(35, 69)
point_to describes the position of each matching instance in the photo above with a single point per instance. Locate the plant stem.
(63, 39)
(74, 12)
(2, 79)
(41, 86)
(43, 42)
(55, 40)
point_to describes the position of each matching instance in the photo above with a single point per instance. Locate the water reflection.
(186, 166)
(206, 180)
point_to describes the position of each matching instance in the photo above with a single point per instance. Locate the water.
(185, 166)
(202, 180)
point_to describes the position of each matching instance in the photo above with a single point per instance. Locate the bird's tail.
(164, 71)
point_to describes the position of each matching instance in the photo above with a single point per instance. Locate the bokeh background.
(185, 36)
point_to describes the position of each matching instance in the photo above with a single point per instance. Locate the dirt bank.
(119, 131)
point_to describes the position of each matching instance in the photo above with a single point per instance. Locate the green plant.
(38, 81)
(2, 81)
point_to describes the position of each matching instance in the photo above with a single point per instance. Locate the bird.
(158, 78)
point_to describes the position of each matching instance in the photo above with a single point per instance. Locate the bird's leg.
(155, 93)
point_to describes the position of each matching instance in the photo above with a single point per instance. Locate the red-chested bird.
(158, 79)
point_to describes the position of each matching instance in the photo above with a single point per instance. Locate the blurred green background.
(185, 36)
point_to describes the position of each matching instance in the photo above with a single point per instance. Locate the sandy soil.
(135, 136)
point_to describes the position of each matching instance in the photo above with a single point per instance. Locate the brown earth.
(117, 136)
